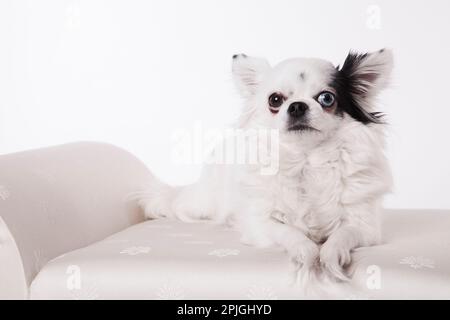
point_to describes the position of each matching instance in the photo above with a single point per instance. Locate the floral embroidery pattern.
(133, 251)
(4, 193)
(170, 291)
(224, 252)
(258, 292)
(418, 262)
(46, 176)
(88, 293)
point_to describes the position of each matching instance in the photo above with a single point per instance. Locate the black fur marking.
(235, 56)
(348, 85)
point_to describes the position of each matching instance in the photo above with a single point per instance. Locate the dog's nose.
(297, 109)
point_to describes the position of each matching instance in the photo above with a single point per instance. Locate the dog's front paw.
(333, 259)
(304, 253)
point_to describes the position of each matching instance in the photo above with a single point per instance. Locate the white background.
(132, 72)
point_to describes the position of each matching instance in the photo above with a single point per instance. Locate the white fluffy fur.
(325, 199)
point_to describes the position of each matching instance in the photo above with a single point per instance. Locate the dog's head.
(307, 95)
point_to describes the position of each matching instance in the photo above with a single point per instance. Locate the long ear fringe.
(370, 71)
(358, 82)
(248, 73)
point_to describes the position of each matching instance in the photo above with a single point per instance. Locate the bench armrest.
(58, 199)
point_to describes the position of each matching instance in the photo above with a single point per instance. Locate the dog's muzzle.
(298, 121)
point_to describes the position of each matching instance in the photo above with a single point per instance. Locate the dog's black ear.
(369, 72)
(248, 73)
(360, 79)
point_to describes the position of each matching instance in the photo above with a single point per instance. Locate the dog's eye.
(326, 99)
(276, 100)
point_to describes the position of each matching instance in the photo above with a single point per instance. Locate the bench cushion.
(164, 259)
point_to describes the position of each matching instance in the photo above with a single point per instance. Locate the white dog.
(325, 198)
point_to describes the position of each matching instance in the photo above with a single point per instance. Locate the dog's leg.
(356, 231)
(303, 252)
(262, 230)
(335, 253)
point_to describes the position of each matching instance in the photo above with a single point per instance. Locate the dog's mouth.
(301, 127)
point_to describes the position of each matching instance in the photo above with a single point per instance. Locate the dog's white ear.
(368, 73)
(248, 73)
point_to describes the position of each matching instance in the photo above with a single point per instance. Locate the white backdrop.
(132, 72)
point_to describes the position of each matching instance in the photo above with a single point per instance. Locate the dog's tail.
(156, 199)
(186, 203)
